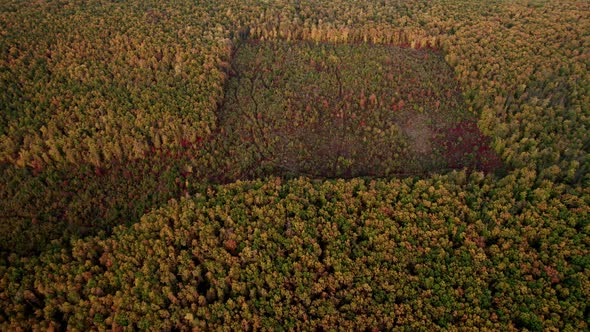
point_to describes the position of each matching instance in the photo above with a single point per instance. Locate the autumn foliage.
(294, 165)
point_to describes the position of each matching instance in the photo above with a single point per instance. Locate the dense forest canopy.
(150, 179)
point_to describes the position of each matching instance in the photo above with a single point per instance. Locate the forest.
(295, 165)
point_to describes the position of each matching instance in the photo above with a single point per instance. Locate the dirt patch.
(418, 130)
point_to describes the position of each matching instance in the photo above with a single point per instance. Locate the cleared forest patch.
(340, 110)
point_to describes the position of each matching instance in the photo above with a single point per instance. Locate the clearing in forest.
(341, 110)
